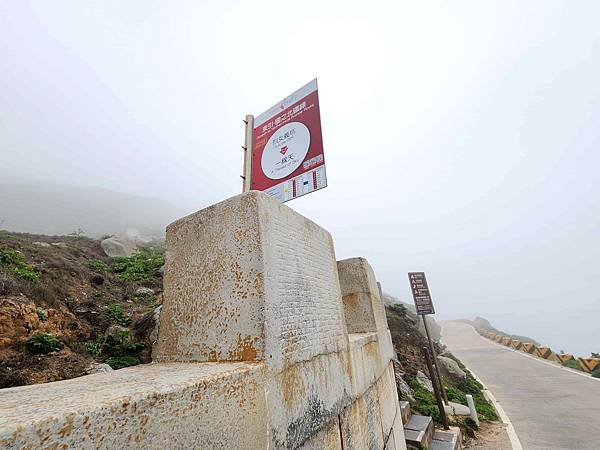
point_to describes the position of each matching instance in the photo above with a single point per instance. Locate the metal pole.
(248, 137)
(436, 389)
(435, 364)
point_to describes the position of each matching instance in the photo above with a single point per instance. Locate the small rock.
(97, 279)
(450, 368)
(162, 271)
(144, 291)
(424, 381)
(98, 368)
(41, 244)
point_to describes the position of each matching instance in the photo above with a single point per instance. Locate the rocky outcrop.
(424, 381)
(450, 368)
(20, 320)
(118, 246)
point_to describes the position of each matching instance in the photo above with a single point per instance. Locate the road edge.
(515, 442)
(510, 429)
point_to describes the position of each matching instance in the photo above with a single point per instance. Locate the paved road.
(550, 407)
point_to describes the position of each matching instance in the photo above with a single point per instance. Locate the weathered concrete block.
(154, 406)
(361, 423)
(250, 279)
(328, 438)
(358, 310)
(357, 281)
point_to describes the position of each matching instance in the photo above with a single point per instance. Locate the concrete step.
(418, 432)
(405, 412)
(446, 440)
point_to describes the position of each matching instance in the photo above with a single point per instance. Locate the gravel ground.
(491, 436)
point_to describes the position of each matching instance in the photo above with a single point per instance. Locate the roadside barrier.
(589, 364)
(544, 352)
(564, 357)
(530, 348)
(516, 344)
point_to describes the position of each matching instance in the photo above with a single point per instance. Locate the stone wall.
(264, 342)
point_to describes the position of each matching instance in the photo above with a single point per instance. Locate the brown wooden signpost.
(420, 292)
(424, 306)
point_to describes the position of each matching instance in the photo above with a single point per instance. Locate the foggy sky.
(461, 138)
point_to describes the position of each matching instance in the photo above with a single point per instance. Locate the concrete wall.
(254, 350)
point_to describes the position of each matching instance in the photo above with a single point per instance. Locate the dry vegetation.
(58, 297)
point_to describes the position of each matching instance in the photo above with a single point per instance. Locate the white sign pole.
(247, 176)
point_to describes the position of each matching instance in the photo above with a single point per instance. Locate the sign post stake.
(436, 364)
(247, 176)
(436, 390)
(423, 307)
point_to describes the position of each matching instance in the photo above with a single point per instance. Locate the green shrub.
(141, 266)
(471, 386)
(572, 364)
(456, 395)
(114, 313)
(122, 345)
(596, 372)
(26, 273)
(94, 348)
(10, 257)
(118, 362)
(16, 261)
(43, 343)
(425, 402)
(98, 266)
(42, 315)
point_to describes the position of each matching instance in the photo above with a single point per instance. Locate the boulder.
(450, 368)
(41, 244)
(424, 381)
(118, 246)
(405, 391)
(456, 409)
(60, 244)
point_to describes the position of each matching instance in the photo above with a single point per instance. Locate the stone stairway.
(420, 433)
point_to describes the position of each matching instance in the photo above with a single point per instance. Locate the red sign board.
(420, 292)
(287, 147)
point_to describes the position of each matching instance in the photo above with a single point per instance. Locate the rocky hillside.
(412, 377)
(67, 309)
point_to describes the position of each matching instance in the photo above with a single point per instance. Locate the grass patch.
(114, 313)
(139, 267)
(425, 402)
(98, 265)
(43, 343)
(485, 410)
(16, 262)
(119, 362)
(117, 352)
(596, 372)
